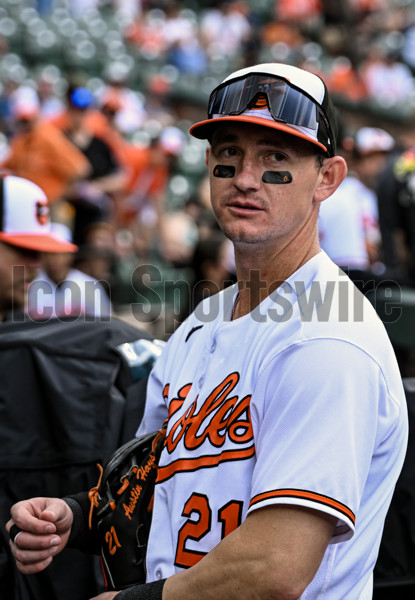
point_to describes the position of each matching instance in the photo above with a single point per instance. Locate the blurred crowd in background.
(96, 99)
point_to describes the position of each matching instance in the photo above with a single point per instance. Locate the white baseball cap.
(274, 95)
(373, 139)
(25, 103)
(24, 217)
(172, 140)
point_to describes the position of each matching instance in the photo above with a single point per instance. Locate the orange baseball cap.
(24, 217)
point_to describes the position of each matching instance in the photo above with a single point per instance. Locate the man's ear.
(207, 155)
(332, 173)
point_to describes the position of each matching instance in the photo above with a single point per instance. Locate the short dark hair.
(320, 158)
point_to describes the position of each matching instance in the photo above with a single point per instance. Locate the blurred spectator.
(202, 215)
(344, 79)
(396, 202)
(183, 47)
(213, 268)
(99, 120)
(6, 106)
(225, 28)
(102, 121)
(188, 56)
(348, 220)
(150, 170)
(131, 113)
(157, 102)
(93, 196)
(39, 151)
(306, 12)
(101, 235)
(178, 235)
(283, 37)
(99, 255)
(50, 104)
(388, 80)
(60, 290)
(146, 33)
(98, 263)
(25, 232)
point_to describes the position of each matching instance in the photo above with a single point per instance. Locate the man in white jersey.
(287, 423)
(348, 220)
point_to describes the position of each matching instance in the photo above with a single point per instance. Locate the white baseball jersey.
(299, 402)
(347, 219)
(79, 295)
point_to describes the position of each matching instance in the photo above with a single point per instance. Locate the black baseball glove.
(121, 509)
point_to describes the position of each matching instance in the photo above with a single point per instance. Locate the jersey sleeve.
(315, 419)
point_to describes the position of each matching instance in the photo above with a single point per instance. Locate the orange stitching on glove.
(93, 496)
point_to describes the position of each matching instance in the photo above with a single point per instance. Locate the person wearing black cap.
(25, 233)
(287, 424)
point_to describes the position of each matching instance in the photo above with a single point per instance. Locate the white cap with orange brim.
(274, 95)
(24, 217)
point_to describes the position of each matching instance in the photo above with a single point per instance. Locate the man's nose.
(248, 175)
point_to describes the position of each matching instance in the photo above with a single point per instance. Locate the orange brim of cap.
(38, 242)
(203, 129)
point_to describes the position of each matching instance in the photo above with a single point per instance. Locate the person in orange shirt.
(40, 152)
(148, 172)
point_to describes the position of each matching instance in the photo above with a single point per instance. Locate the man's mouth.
(244, 207)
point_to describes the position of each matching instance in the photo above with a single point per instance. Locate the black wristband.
(147, 591)
(81, 537)
(78, 524)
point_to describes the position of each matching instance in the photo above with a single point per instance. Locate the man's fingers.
(27, 557)
(29, 541)
(39, 515)
(38, 530)
(16, 528)
(34, 553)
(31, 568)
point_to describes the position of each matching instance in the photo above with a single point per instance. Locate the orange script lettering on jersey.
(220, 415)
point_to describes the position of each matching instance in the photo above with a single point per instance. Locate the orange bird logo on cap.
(260, 103)
(42, 213)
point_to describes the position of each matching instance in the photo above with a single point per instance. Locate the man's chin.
(238, 237)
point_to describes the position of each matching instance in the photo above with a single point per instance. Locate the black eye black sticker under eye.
(277, 177)
(225, 171)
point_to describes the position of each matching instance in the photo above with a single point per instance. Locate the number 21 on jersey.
(199, 522)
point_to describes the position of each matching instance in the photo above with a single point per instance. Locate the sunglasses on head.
(286, 103)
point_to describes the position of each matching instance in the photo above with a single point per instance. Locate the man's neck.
(259, 273)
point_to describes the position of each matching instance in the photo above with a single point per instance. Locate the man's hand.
(45, 525)
(105, 596)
